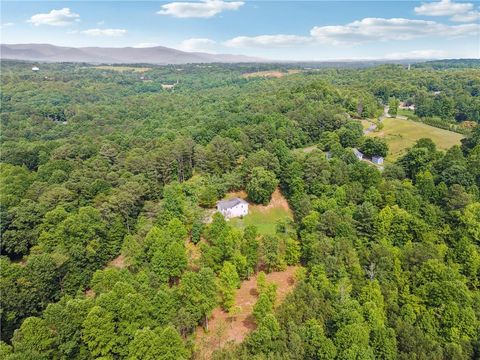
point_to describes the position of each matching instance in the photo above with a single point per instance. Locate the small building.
(35, 68)
(377, 160)
(406, 106)
(358, 154)
(328, 155)
(231, 208)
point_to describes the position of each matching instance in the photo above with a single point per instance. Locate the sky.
(277, 30)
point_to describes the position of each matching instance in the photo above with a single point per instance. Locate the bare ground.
(224, 328)
(118, 262)
(277, 201)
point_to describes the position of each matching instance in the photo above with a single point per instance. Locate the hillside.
(150, 55)
(112, 247)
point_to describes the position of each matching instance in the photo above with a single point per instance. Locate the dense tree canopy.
(110, 249)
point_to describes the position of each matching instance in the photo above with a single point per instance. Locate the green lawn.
(123, 68)
(402, 134)
(264, 220)
(405, 112)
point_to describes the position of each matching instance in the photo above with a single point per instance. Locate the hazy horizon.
(272, 30)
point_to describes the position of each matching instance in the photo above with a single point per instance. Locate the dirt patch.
(118, 262)
(271, 74)
(89, 293)
(240, 194)
(224, 329)
(278, 201)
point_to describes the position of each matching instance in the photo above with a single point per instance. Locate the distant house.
(328, 155)
(377, 160)
(169, 86)
(232, 207)
(358, 154)
(35, 68)
(404, 105)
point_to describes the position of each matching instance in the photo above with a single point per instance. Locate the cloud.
(104, 32)
(417, 54)
(145, 45)
(62, 17)
(203, 9)
(5, 25)
(443, 8)
(470, 16)
(359, 31)
(197, 44)
(268, 41)
(380, 29)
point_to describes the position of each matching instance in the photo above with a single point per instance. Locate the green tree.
(170, 263)
(171, 346)
(228, 282)
(261, 185)
(374, 147)
(99, 332)
(317, 345)
(34, 339)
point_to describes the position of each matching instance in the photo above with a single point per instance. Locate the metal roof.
(230, 203)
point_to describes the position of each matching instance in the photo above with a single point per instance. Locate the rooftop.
(230, 203)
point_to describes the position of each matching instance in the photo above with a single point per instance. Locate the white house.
(377, 160)
(35, 68)
(233, 207)
(358, 154)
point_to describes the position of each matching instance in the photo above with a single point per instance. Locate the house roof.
(230, 203)
(357, 152)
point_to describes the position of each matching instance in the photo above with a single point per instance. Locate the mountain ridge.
(160, 55)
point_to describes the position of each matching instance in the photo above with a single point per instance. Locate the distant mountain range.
(153, 55)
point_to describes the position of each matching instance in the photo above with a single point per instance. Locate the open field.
(223, 328)
(265, 218)
(402, 134)
(123, 68)
(271, 73)
(405, 112)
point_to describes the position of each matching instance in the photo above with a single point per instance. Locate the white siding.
(235, 211)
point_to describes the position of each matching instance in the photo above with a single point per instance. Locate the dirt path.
(118, 262)
(223, 328)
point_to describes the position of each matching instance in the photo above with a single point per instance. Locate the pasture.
(123, 68)
(265, 218)
(402, 134)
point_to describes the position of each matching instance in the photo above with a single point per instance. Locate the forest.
(102, 167)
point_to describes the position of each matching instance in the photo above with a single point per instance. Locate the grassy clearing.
(265, 218)
(402, 134)
(405, 112)
(271, 74)
(123, 68)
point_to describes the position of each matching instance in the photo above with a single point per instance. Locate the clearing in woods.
(223, 329)
(265, 218)
(123, 68)
(271, 73)
(402, 134)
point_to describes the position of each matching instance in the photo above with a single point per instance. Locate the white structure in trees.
(230, 208)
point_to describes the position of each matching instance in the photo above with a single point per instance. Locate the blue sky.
(284, 30)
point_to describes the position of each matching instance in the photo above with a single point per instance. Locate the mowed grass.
(265, 218)
(402, 134)
(271, 73)
(123, 68)
(265, 222)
